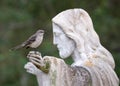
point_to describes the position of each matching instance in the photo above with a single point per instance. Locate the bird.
(32, 42)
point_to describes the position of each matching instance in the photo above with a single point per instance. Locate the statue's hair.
(78, 26)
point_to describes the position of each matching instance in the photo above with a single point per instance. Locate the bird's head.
(40, 31)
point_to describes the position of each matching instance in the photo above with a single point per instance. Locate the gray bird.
(33, 41)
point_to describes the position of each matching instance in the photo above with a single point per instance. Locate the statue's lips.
(58, 47)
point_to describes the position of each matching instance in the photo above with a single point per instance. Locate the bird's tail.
(17, 47)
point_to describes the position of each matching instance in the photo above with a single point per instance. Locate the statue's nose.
(54, 40)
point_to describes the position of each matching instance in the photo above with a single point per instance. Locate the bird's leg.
(37, 60)
(35, 50)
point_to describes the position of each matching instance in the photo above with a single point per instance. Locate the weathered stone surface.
(74, 35)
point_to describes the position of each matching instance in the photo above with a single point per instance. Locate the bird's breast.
(37, 42)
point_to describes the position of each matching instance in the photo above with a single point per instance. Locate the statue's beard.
(64, 53)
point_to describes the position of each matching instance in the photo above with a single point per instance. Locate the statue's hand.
(31, 68)
(37, 60)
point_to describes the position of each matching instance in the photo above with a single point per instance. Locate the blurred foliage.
(21, 18)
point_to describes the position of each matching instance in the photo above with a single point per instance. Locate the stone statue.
(74, 36)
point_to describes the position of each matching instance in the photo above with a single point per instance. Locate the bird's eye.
(42, 31)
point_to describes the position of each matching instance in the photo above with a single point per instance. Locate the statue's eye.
(57, 34)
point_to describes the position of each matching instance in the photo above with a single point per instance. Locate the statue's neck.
(78, 57)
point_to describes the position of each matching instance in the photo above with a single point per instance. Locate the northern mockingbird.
(33, 41)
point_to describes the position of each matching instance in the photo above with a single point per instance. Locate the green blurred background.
(21, 18)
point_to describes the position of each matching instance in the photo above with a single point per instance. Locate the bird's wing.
(30, 40)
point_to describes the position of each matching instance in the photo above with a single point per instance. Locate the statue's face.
(64, 44)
